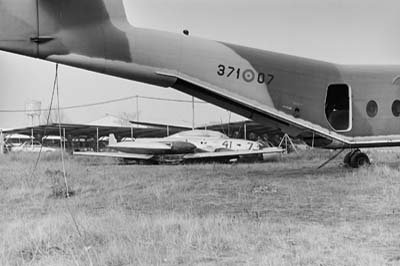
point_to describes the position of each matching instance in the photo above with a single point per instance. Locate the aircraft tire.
(347, 158)
(359, 159)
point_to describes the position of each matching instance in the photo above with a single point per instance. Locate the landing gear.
(356, 159)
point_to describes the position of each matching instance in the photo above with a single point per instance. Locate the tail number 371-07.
(247, 75)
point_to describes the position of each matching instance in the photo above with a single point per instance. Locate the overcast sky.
(342, 31)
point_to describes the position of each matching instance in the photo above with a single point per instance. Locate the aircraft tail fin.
(17, 26)
(70, 13)
(112, 140)
(40, 28)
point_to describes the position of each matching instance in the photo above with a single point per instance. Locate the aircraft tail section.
(40, 28)
(18, 24)
(72, 13)
(112, 140)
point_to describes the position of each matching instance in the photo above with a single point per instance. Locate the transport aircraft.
(334, 106)
(188, 146)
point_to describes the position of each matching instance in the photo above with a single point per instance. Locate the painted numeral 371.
(247, 75)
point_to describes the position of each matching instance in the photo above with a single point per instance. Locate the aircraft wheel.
(347, 158)
(359, 159)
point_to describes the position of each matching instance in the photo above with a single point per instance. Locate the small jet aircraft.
(187, 146)
(331, 105)
(33, 146)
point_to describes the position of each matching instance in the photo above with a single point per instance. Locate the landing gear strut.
(356, 159)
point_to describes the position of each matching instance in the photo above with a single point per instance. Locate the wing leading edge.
(223, 154)
(122, 155)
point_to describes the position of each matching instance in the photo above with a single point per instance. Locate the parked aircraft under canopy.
(136, 130)
(90, 131)
(188, 146)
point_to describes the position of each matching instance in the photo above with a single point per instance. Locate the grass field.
(279, 213)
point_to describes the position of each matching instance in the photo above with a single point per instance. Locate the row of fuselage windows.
(372, 108)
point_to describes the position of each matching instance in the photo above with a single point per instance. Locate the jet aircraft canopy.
(200, 134)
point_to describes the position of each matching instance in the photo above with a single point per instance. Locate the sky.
(340, 31)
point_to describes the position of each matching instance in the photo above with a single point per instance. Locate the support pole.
(245, 131)
(292, 144)
(313, 138)
(192, 113)
(331, 159)
(286, 144)
(137, 108)
(97, 140)
(1, 142)
(32, 136)
(287, 140)
(64, 139)
(229, 124)
(167, 130)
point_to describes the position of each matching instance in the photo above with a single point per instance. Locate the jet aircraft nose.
(182, 147)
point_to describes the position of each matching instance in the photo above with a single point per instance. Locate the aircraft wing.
(122, 155)
(259, 112)
(231, 154)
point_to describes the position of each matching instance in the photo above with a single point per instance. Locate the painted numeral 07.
(247, 75)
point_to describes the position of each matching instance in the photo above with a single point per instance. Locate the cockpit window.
(200, 134)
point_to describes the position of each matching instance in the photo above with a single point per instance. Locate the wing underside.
(122, 155)
(266, 114)
(232, 154)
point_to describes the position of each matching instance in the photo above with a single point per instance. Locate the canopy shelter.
(77, 134)
(90, 136)
(85, 130)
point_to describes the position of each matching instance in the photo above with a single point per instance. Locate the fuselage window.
(372, 108)
(396, 108)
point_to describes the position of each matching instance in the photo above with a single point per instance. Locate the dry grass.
(281, 213)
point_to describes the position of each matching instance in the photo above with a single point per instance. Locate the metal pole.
(286, 143)
(137, 108)
(229, 124)
(1, 142)
(97, 139)
(32, 130)
(245, 131)
(313, 137)
(167, 130)
(291, 143)
(131, 131)
(64, 139)
(192, 113)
